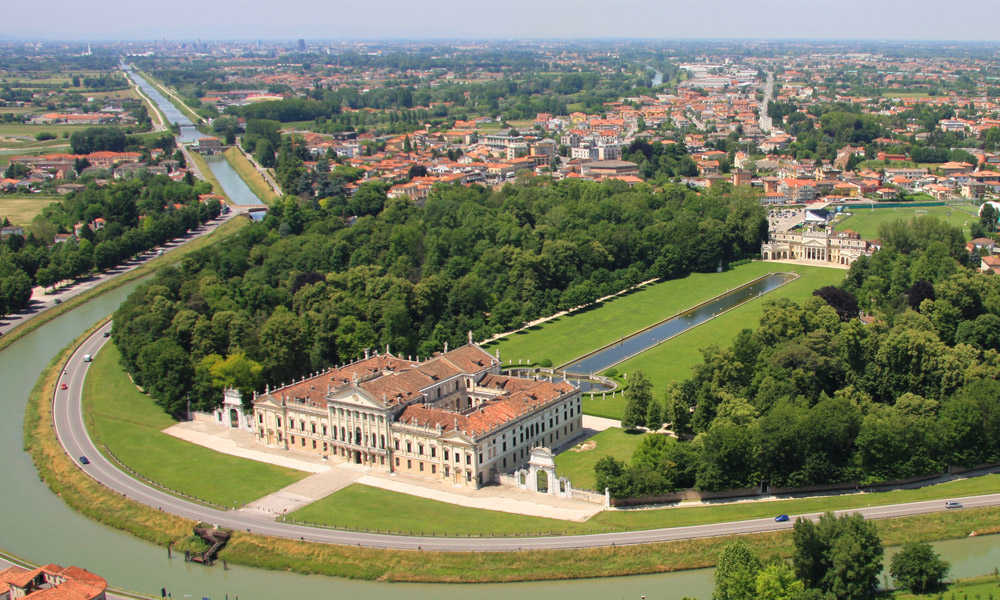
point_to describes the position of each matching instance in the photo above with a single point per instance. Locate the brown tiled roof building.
(453, 417)
(51, 582)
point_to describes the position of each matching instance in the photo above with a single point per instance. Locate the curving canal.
(596, 362)
(39, 527)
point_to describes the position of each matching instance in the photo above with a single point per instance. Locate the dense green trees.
(736, 573)
(137, 214)
(918, 568)
(813, 396)
(302, 290)
(839, 555)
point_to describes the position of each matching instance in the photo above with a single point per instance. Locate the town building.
(816, 244)
(452, 417)
(51, 582)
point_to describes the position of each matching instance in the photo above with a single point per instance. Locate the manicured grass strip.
(979, 588)
(374, 508)
(83, 494)
(867, 221)
(578, 466)
(222, 232)
(207, 173)
(674, 359)
(249, 175)
(571, 336)
(20, 210)
(172, 97)
(721, 513)
(130, 423)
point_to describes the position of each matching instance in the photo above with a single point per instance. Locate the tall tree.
(736, 573)
(638, 395)
(918, 568)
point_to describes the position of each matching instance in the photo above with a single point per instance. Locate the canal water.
(39, 527)
(36, 525)
(597, 362)
(189, 133)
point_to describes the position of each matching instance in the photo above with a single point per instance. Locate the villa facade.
(453, 417)
(820, 245)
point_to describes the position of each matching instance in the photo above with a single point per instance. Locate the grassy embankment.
(202, 164)
(223, 231)
(980, 588)
(172, 97)
(21, 209)
(84, 495)
(130, 424)
(371, 508)
(249, 175)
(867, 221)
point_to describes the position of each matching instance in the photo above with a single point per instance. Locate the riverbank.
(173, 99)
(83, 494)
(206, 173)
(249, 175)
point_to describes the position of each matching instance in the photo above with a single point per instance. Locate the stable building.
(453, 417)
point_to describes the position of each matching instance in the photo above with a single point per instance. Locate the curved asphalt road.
(69, 425)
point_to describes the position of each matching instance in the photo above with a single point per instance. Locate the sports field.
(867, 221)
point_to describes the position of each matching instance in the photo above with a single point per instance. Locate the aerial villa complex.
(453, 417)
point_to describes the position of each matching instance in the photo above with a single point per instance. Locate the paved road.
(765, 121)
(72, 433)
(41, 302)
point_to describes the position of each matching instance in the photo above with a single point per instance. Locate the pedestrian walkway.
(493, 497)
(598, 424)
(305, 492)
(331, 476)
(242, 444)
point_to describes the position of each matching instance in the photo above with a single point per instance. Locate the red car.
(63, 386)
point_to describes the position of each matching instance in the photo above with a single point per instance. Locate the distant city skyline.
(892, 20)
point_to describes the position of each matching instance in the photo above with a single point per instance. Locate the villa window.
(420, 449)
(421, 466)
(446, 454)
(433, 451)
(395, 444)
(409, 464)
(293, 439)
(313, 427)
(279, 421)
(433, 469)
(409, 447)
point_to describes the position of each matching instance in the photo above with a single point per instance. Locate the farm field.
(129, 423)
(867, 221)
(21, 209)
(570, 336)
(674, 359)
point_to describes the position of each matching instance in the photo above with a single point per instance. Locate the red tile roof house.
(51, 582)
(451, 418)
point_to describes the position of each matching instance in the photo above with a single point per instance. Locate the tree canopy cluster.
(138, 215)
(302, 290)
(814, 395)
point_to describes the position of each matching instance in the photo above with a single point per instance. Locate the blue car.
(84, 460)
(781, 519)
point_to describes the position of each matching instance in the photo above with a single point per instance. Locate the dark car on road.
(84, 460)
(781, 519)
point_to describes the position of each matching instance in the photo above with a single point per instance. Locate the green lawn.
(571, 336)
(867, 221)
(21, 209)
(578, 465)
(12, 129)
(373, 508)
(979, 588)
(130, 424)
(675, 358)
(249, 175)
(363, 507)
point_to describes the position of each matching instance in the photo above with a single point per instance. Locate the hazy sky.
(968, 20)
